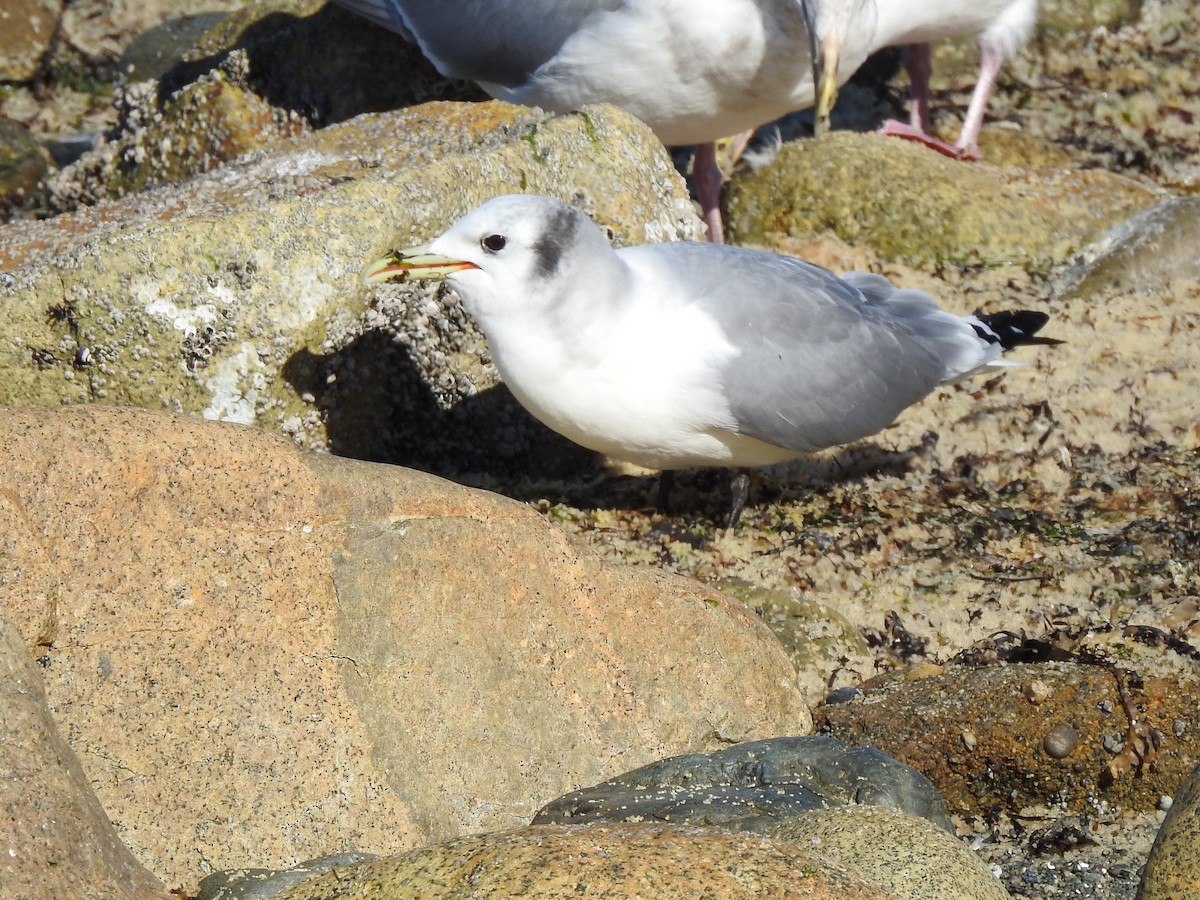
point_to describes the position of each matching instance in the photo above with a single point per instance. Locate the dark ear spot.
(559, 235)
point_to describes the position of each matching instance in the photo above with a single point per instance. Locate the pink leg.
(991, 58)
(918, 62)
(706, 176)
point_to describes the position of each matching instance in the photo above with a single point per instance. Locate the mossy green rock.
(914, 205)
(814, 635)
(197, 296)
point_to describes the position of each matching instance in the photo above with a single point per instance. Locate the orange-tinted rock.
(26, 31)
(281, 647)
(55, 840)
(620, 860)
(996, 737)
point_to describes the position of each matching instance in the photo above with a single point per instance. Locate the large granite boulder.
(296, 654)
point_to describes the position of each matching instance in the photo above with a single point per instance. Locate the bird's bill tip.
(826, 78)
(413, 263)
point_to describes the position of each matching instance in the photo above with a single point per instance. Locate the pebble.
(1061, 740)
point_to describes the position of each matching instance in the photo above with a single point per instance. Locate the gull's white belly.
(647, 391)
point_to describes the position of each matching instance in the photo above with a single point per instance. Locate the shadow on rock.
(328, 66)
(378, 406)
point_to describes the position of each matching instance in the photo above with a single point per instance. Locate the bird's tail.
(999, 332)
(1011, 328)
(965, 351)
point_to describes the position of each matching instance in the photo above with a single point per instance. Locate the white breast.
(644, 386)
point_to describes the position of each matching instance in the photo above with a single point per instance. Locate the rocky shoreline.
(231, 649)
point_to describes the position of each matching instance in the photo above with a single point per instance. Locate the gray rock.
(96, 32)
(261, 884)
(1142, 254)
(152, 52)
(752, 786)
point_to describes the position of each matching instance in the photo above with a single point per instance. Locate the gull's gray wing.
(494, 41)
(822, 362)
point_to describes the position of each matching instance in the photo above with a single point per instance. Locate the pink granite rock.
(263, 655)
(55, 840)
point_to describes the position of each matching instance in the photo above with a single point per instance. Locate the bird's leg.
(991, 58)
(666, 481)
(739, 490)
(706, 176)
(918, 61)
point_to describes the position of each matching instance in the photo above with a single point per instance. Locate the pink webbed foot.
(896, 128)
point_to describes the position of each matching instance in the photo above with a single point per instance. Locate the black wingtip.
(1014, 328)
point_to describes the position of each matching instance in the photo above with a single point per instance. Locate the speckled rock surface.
(1055, 730)
(1173, 869)
(621, 860)
(925, 209)
(263, 884)
(751, 787)
(908, 855)
(288, 650)
(148, 302)
(55, 840)
(203, 125)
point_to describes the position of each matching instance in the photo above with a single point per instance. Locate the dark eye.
(494, 243)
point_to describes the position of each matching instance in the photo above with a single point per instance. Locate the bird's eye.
(494, 243)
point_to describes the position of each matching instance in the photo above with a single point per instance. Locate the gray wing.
(494, 41)
(822, 361)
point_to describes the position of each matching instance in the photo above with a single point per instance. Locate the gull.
(685, 354)
(1002, 26)
(694, 71)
